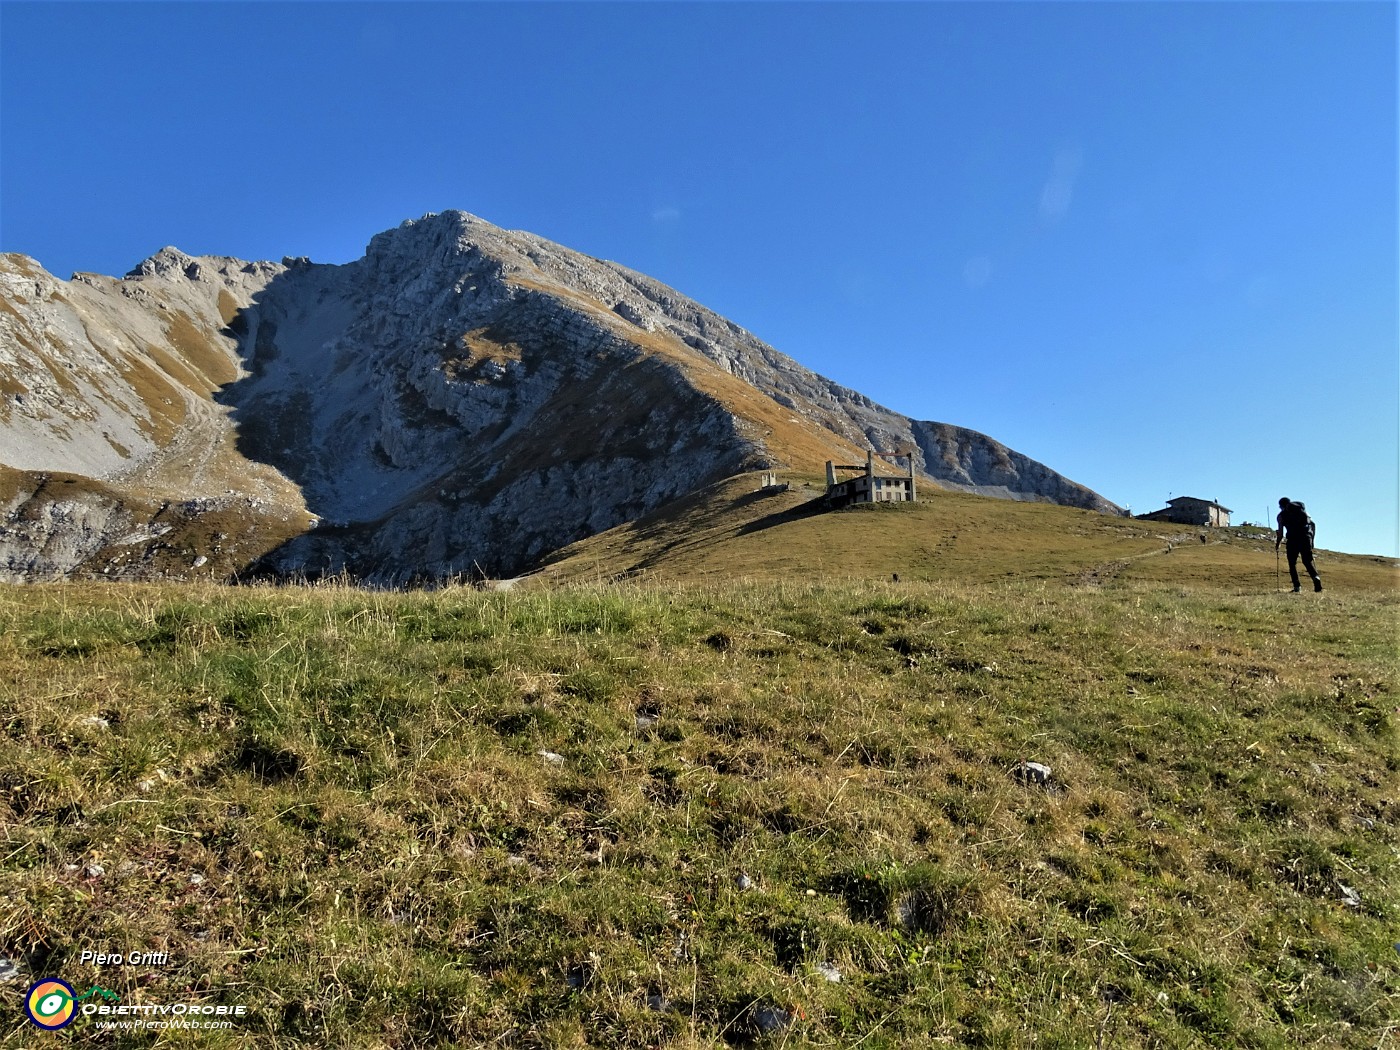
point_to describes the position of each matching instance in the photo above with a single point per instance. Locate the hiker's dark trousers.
(1304, 551)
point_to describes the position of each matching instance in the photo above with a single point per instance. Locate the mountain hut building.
(1188, 510)
(867, 486)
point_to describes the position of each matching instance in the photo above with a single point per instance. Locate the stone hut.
(1188, 510)
(867, 486)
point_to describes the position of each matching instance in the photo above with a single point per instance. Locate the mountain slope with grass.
(1021, 813)
(461, 399)
(740, 529)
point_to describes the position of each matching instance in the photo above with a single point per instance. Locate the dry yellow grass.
(206, 352)
(732, 530)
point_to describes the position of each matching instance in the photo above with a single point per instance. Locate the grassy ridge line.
(332, 806)
(734, 530)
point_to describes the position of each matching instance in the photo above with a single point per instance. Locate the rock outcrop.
(463, 398)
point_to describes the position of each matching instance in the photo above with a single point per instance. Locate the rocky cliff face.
(462, 398)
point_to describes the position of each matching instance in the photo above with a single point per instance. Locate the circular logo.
(50, 1004)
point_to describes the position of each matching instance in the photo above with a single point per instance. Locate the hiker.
(1293, 519)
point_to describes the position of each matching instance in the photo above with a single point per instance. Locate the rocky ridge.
(463, 398)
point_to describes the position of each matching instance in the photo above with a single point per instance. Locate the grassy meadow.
(733, 529)
(710, 814)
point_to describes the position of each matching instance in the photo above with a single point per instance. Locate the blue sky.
(1153, 245)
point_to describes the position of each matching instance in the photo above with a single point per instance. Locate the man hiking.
(1293, 519)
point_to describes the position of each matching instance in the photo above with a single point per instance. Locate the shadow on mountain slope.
(476, 444)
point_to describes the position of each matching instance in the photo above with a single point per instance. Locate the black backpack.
(1295, 517)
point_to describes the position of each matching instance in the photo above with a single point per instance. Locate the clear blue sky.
(1153, 245)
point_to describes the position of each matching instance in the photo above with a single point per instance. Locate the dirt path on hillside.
(1107, 571)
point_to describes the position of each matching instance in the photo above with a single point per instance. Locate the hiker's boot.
(1297, 589)
(1317, 585)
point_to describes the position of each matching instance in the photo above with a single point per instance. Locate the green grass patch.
(749, 814)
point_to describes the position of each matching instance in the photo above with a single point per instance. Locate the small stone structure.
(1188, 510)
(867, 486)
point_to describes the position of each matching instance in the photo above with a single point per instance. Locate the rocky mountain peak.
(462, 396)
(168, 262)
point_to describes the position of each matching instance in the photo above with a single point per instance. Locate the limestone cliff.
(463, 398)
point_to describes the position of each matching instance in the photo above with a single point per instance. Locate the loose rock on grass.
(768, 1018)
(1035, 773)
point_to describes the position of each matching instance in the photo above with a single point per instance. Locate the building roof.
(1193, 499)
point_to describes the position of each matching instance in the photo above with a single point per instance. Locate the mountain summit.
(463, 397)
